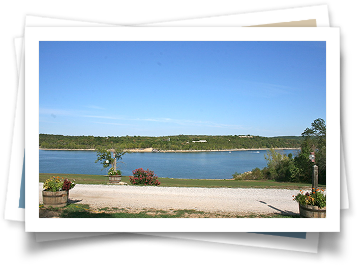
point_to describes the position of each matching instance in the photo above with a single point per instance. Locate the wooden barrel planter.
(309, 211)
(55, 198)
(114, 179)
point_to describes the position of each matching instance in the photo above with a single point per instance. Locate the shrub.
(144, 177)
(257, 173)
(281, 167)
(53, 184)
(243, 176)
(112, 172)
(67, 185)
(57, 184)
(317, 198)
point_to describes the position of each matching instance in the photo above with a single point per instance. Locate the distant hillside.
(174, 142)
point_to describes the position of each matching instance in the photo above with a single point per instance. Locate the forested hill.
(176, 142)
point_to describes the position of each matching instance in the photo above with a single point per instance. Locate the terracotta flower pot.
(310, 211)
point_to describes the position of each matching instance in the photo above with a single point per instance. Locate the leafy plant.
(58, 184)
(53, 184)
(243, 176)
(112, 172)
(144, 177)
(317, 198)
(106, 159)
(67, 184)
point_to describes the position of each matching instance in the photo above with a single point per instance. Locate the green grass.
(229, 183)
(84, 211)
(80, 178)
(206, 183)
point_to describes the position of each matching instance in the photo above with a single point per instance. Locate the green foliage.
(112, 172)
(317, 198)
(58, 184)
(257, 173)
(299, 169)
(144, 177)
(106, 158)
(314, 141)
(281, 167)
(303, 163)
(176, 142)
(53, 184)
(243, 176)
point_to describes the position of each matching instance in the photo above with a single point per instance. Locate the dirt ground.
(222, 201)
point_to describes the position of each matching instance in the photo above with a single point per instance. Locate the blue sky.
(170, 88)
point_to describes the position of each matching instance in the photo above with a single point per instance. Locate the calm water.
(202, 165)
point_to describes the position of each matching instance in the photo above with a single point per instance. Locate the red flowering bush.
(144, 177)
(67, 184)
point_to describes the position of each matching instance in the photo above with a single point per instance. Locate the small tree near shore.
(108, 159)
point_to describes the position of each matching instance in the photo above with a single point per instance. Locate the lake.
(198, 165)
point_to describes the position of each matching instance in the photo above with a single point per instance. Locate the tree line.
(286, 168)
(174, 142)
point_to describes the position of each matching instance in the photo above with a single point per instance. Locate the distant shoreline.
(151, 150)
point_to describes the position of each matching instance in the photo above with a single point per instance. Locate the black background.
(139, 248)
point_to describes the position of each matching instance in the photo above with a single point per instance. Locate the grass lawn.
(84, 211)
(206, 183)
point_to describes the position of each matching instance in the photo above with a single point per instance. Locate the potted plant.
(55, 191)
(114, 176)
(312, 205)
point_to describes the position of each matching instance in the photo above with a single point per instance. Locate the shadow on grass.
(282, 212)
(85, 214)
(84, 211)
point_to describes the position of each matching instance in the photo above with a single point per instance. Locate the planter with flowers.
(55, 191)
(312, 205)
(114, 176)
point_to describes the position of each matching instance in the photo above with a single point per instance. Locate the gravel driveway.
(228, 200)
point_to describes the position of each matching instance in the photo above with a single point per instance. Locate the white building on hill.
(200, 141)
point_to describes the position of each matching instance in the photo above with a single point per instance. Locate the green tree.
(273, 158)
(303, 163)
(314, 141)
(107, 159)
(280, 167)
(287, 170)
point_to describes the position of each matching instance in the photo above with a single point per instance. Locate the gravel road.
(227, 200)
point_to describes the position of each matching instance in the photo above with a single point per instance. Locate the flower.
(58, 184)
(112, 172)
(317, 198)
(144, 177)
